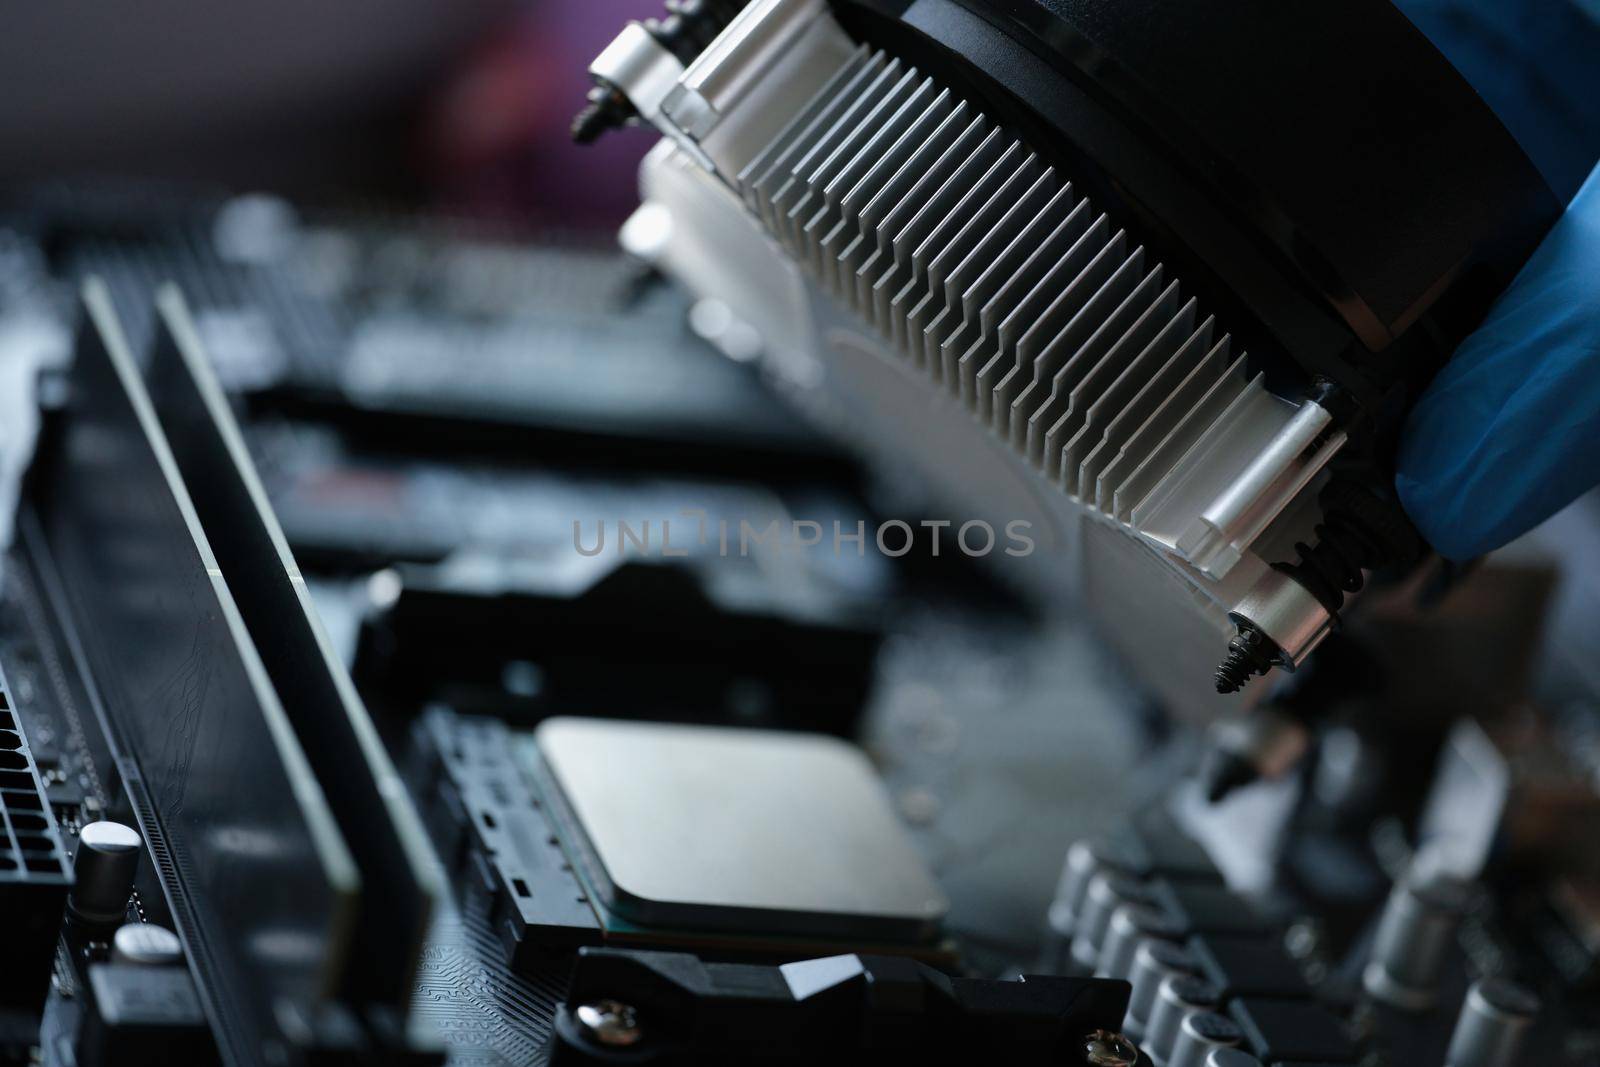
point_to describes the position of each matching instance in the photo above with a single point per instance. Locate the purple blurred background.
(461, 105)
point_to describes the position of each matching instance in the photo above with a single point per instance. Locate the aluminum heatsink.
(1021, 244)
(982, 268)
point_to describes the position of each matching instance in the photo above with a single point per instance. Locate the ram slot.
(341, 744)
(260, 882)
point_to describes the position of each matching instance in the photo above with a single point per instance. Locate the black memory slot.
(262, 885)
(344, 750)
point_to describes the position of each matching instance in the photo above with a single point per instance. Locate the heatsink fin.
(984, 270)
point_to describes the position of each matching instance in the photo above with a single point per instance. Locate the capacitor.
(1107, 891)
(1130, 924)
(1413, 940)
(1080, 865)
(1179, 996)
(146, 943)
(103, 870)
(1153, 962)
(1201, 1033)
(1085, 859)
(1495, 1017)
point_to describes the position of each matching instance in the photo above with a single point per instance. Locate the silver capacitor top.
(1495, 1017)
(1107, 891)
(1180, 995)
(1413, 939)
(1199, 1034)
(103, 870)
(1085, 859)
(1153, 961)
(146, 943)
(1130, 924)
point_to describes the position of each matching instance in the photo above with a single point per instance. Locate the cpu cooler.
(1159, 277)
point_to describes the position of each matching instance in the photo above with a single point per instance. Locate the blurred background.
(462, 106)
(466, 106)
(406, 276)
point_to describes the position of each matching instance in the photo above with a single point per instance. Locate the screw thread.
(1234, 672)
(606, 110)
(589, 123)
(1250, 652)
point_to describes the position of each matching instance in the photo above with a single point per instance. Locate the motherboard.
(428, 645)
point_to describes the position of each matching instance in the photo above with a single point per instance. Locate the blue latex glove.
(1509, 431)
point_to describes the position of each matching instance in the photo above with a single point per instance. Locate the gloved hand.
(1509, 431)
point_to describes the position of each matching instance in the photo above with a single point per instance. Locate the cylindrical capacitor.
(1080, 865)
(103, 869)
(1153, 962)
(146, 943)
(1107, 892)
(1200, 1034)
(1130, 924)
(1495, 1017)
(1179, 996)
(1413, 940)
(1231, 1057)
(1085, 859)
